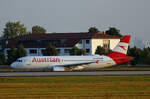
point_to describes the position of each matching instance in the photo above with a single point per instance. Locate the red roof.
(42, 40)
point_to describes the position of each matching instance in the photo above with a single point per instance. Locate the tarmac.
(83, 73)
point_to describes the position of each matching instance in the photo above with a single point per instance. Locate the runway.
(91, 73)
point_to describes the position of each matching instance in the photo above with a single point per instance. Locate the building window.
(67, 50)
(106, 44)
(8, 51)
(62, 41)
(80, 42)
(58, 50)
(87, 50)
(33, 51)
(42, 51)
(87, 41)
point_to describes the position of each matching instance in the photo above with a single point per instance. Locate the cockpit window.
(19, 60)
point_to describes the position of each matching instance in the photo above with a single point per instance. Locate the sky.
(129, 16)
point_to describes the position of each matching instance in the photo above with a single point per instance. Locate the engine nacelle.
(58, 68)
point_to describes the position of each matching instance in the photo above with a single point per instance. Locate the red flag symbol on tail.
(123, 47)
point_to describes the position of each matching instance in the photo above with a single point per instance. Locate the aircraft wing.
(75, 64)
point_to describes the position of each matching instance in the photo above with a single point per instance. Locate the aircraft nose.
(13, 65)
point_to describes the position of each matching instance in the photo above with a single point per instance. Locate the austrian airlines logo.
(123, 47)
(45, 60)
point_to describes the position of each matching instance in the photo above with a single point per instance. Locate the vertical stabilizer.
(122, 46)
(118, 54)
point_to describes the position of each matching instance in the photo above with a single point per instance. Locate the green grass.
(75, 87)
(74, 79)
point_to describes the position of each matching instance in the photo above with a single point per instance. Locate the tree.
(136, 53)
(50, 51)
(76, 51)
(2, 59)
(100, 50)
(38, 29)
(20, 52)
(13, 29)
(140, 55)
(3, 43)
(81, 52)
(11, 55)
(146, 54)
(93, 30)
(113, 31)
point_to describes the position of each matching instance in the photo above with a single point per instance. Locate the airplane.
(62, 63)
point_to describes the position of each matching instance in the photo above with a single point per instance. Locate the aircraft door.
(27, 61)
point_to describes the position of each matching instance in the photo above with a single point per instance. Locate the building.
(36, 43)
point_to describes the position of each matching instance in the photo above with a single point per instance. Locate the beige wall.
(113, 43)
(99, 42)
(95, 43)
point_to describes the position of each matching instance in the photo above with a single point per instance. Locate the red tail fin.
(122, 46)
(118, 54)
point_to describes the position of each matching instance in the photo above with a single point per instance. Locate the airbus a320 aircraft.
(61, 63)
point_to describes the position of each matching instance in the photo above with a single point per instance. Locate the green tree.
(100, 50)
(113, 31)
(20, 52)
(136, 53)
(93, 30)
(81, 52)
(13, 29)
(2, 59)
(38, 29)
(76, 51)
(146, 54)
(11, 57)
(50, 51)
(3, 43)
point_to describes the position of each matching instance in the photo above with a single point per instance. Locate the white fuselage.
(41, 62)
